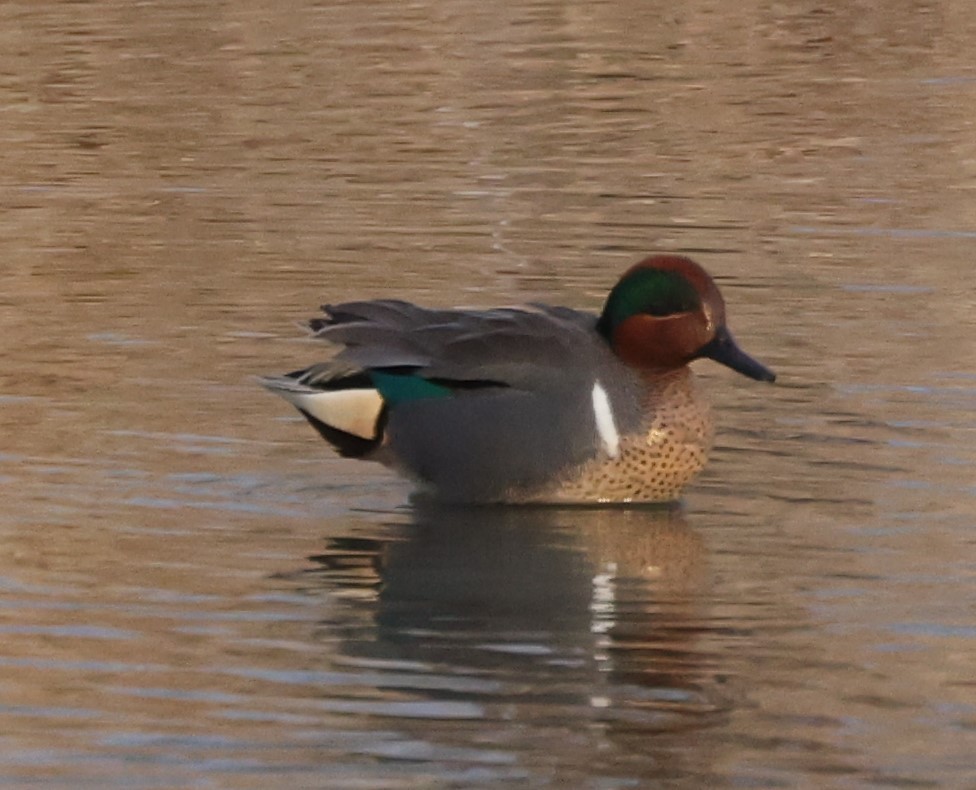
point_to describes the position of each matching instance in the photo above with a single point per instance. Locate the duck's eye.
(652, 291)
(666, 293)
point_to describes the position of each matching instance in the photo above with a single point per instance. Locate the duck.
(533, 404)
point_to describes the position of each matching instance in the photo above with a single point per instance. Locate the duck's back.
(478, 405)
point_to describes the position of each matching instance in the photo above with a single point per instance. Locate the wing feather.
(516, 347)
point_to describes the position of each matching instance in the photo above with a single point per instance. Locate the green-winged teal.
(538, 404)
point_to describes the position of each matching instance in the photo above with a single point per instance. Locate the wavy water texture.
(195, 593)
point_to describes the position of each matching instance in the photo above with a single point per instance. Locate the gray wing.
(524, 380)
(515, 347)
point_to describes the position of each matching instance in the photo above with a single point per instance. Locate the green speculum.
(397, 387)
(651, 291)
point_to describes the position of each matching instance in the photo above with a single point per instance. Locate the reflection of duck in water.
(531, 620)
(538, 404)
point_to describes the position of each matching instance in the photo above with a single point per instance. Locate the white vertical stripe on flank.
(605, 425)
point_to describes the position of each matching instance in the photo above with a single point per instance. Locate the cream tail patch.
(354, 411)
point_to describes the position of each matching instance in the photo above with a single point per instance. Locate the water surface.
(196, 593)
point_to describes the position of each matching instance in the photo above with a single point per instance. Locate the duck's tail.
(350, 418)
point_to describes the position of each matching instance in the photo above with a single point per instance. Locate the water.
(195, 593)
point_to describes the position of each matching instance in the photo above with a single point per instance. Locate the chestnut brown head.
(667, 311)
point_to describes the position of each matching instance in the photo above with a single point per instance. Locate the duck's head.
(667, 311)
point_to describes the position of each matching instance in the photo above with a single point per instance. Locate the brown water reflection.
(181, 182)
(505, 634)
